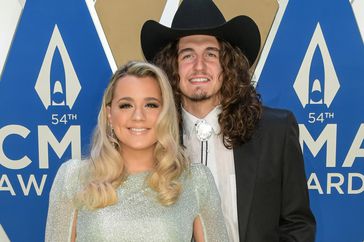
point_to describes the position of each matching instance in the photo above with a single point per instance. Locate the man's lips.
(199, 80)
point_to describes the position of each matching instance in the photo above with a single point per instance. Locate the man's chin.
(199, 98)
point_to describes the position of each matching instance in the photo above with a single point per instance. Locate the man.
(252, 151)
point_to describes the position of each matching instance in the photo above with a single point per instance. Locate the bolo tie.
(203, 132)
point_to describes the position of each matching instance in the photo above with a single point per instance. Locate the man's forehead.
(198, 41)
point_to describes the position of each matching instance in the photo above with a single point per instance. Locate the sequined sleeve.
(209, 204)
(61, 209)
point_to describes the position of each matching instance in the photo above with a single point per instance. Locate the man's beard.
(199, 96)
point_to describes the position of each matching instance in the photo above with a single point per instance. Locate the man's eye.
(152, 105)
(211, 54)
(124, 105)
(184, 57)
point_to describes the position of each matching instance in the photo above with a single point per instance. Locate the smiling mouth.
(198, 80)
(138, 130)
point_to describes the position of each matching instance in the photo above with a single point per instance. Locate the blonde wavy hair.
(106, 169)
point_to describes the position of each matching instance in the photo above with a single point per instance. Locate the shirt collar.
(190, 120)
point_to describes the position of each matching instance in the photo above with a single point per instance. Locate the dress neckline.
(141, 175)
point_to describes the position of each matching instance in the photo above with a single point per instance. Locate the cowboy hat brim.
(240, 31)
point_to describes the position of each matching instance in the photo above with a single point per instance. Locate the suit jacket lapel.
(246, 159)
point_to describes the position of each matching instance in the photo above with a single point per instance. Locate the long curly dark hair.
(241, 104)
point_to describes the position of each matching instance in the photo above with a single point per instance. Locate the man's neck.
(199, 109)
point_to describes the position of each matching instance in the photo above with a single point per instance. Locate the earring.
(112, 137)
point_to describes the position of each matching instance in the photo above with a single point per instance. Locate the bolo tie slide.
(203, 132)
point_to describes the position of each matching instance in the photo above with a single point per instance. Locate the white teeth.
(198, 79)
(138, 129)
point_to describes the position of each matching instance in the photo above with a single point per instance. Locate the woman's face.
(134, 111)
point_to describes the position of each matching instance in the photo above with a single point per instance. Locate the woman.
(136, 184)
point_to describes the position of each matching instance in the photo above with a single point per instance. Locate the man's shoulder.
(275, 120)
(275, 114)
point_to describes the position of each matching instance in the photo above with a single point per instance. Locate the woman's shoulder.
(73, 164)
(68, 176)
(198, 169)
(71, 167)
(201, 174)
(204, 184)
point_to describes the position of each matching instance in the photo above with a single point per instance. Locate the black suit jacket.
(272, 195)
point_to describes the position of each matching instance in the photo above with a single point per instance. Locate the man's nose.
(199, 63)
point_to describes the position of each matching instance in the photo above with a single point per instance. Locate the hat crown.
(201, 17)
(197, 14)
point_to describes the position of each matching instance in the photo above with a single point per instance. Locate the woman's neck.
(138, 160)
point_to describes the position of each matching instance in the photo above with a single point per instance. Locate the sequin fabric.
(138, 216)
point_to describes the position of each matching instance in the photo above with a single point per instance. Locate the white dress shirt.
(219, 159)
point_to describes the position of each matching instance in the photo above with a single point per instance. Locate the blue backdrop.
(315, 68)
(50, 91)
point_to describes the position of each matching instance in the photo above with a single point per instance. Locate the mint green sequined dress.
(137, 216)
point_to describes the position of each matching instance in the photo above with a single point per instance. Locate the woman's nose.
(138, 114)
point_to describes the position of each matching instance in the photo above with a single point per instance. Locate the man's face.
(199, 69)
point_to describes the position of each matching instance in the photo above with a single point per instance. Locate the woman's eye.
(152, 105)
(124, 105)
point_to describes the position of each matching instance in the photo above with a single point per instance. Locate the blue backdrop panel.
(50, 93)
(315, 68)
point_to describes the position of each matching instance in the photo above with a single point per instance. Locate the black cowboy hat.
(201, 17)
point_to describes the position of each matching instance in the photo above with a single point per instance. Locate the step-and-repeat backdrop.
(56, 58)
(315, 67)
